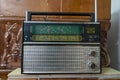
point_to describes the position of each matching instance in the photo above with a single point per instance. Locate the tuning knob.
(92, 53)
(92, 65)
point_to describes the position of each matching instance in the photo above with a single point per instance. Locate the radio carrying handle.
(93, 16)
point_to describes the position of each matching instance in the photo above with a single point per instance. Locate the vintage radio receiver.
(61, 47)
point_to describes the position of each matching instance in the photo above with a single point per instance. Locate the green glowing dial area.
(61, 32)
(57, 29)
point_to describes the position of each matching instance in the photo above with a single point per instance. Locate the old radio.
(61, 47)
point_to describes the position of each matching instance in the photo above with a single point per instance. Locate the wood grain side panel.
(2, 30)
(104, 9)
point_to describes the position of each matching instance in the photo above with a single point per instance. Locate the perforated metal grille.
(60, 59)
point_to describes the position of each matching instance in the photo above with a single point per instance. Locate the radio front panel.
(61, 32)
(61, 47)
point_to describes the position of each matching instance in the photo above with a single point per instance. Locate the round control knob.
(92, 65)
(92, 53)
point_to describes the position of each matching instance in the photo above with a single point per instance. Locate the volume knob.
(92, 53)
(92, 65)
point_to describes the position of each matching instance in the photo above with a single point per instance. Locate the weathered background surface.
(13, 11)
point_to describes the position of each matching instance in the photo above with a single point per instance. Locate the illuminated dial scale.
(61, 32)
(58, 32)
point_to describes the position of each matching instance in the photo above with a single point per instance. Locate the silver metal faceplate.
(60, 59)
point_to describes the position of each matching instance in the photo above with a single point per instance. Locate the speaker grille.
(60, 59)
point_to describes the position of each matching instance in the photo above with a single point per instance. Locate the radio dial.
(92, 53)
(92, 65)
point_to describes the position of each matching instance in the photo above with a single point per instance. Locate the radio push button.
(26, 37)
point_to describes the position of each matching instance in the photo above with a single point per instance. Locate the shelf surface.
(106, 73)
